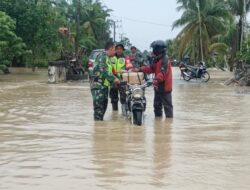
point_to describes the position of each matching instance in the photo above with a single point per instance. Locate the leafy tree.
(126, 42)
(10, 44)
(235, 37)
(172, 48)
(38, 23)
(239, 9)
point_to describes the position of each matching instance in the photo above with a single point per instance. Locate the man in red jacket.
(162, 81)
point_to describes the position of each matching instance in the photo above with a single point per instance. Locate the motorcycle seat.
(192, 67)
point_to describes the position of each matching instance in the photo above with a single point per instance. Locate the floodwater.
(49, 141)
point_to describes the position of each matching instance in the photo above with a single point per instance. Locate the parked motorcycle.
(189, 72)
(75, 69)
(136, 101)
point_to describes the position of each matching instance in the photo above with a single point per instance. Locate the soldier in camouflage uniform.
(100, 80)
(136, 58)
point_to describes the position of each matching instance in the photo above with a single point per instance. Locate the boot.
(115, 106)
(124, 111)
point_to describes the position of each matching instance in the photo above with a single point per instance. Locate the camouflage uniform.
(136, 59)
(100, 80)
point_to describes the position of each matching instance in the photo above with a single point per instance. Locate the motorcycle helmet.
(159, 47)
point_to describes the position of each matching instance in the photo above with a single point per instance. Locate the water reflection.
(48, 139)
(161, 151)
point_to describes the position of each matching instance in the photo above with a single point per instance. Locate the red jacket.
(164, 78)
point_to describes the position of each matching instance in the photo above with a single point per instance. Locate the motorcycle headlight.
(137, 93)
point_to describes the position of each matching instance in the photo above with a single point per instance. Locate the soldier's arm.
(105, 72)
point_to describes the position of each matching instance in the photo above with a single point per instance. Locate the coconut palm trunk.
(200, 32)
(202, 20)
(77, 26)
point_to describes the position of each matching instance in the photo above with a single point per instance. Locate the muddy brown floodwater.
(49, 141)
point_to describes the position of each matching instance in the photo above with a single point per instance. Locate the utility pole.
(115, 26)
(200, 28)
(114, 30)
(121, 36)
(77, 25)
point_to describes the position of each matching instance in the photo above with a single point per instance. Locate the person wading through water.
(117, 67)
(100, 81)
(162, 81)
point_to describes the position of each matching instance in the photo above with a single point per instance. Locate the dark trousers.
(114, 95)
(100, 103)
(163, 100)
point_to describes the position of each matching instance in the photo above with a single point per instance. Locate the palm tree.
(95, 20)
(202, 20)
(235, 35)
(239, 8)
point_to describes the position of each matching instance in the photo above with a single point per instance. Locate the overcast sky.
(144, 21)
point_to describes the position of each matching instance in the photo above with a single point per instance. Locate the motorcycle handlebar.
(144, 85)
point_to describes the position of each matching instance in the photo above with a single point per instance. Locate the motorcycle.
(189, 72)
(75, 70)
(136, 101)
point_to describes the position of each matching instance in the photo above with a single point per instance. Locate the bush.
(11, 45)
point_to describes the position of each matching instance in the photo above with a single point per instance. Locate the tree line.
(35, 31)
(213, 31)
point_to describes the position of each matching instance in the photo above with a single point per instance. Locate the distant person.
(135, 57)
(162, 81)
(100, 81)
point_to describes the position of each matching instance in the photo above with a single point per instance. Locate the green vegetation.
(11, 46)
(35, 31)
(36, 25)
(213, 31)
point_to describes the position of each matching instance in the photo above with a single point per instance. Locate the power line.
(142, 21)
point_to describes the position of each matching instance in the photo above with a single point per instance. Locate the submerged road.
(49, 141)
